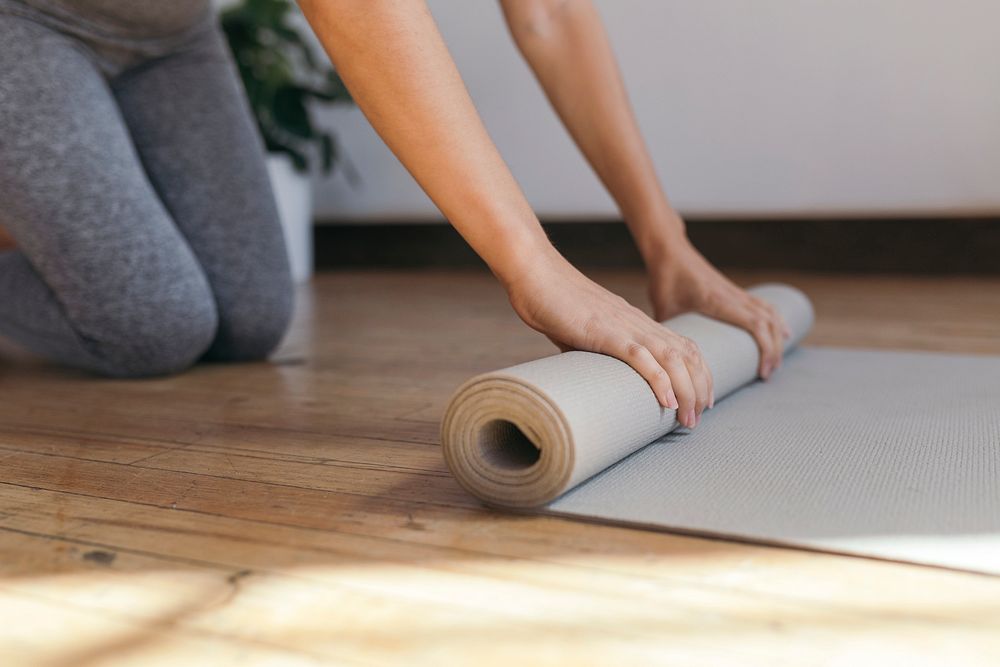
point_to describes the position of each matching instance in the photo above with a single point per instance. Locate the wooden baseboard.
(922, 246)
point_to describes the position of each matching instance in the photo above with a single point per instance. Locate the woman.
(134, 185)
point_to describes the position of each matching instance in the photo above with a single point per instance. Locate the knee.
(252, 326)
(161, 334)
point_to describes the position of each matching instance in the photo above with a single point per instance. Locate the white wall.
(751, 107)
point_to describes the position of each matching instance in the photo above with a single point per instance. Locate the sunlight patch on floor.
(439, 613)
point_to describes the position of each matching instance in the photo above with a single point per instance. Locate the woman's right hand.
(576, 313)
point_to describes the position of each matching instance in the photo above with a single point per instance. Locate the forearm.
(565, 44)
(401, 75)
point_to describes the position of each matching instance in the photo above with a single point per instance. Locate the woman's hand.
(576, 313)
(568, 49)
(683, 280)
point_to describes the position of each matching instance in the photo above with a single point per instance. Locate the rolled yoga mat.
(886, 454)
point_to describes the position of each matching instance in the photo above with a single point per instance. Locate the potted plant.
(284, 80)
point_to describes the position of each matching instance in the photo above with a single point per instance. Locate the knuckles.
(691, 349)
(634, 350)
(591, 330)
(672, 355)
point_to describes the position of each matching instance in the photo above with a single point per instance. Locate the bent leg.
(101, 279)
(198, 142)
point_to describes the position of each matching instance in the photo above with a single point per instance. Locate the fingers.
(777, 319)
(766, 325)
(758, 328)
(707, 374)
(688, 372)
(701, 378)
(674, 369)
(645, 364)
(758, 317)
(672, 359)
(777, 327)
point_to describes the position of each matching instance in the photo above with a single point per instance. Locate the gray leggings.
(132, 178)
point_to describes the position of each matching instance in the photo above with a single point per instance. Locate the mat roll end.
(507, 443)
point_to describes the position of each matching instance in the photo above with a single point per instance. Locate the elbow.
(533, 20)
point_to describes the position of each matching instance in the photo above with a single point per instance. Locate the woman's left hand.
(683, 280)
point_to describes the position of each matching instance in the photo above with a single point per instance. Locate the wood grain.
(299, 512)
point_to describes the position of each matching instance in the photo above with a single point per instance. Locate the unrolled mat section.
(888, 454)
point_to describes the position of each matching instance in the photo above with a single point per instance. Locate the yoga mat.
(886, 454)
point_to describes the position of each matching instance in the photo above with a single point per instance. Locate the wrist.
(524, 254)
(660, 238)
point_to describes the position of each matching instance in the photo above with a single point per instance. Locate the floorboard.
(299, 511)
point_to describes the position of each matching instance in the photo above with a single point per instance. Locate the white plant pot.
(293, 194)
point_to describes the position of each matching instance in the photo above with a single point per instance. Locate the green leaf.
(283, 77)
(328, 151)
(290, 112)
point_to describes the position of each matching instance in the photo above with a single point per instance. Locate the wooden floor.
(300, 512)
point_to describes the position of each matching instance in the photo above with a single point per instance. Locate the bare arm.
(398, 69)
(392, 58)
(567, 47)
(565, 44)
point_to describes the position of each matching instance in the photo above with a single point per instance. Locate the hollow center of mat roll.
(504, 446)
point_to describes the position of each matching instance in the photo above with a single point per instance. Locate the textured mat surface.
(887, 454)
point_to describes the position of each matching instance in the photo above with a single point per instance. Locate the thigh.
(194, 131)
(86, 219)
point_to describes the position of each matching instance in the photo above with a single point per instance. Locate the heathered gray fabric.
(133, 180)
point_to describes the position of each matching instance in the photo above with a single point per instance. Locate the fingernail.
(672, 400)
(711, 401)
(692, 420)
